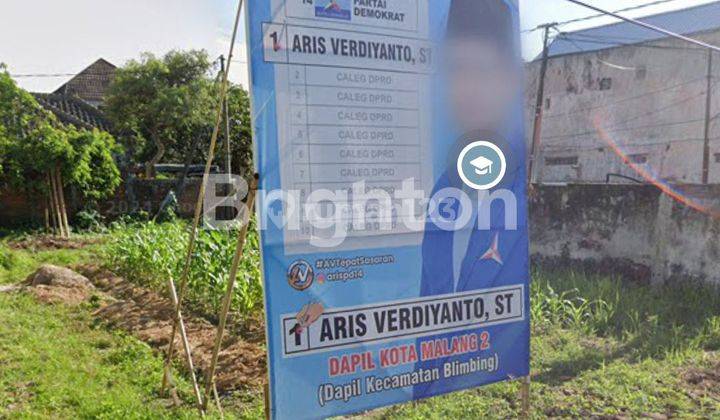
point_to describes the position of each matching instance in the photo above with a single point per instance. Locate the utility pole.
(708, 113)
(537, 125)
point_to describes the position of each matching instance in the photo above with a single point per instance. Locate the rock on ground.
(53, 284)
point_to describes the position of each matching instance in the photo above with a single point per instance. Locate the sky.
(52, 37)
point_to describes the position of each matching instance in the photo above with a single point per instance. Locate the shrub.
(89, 220)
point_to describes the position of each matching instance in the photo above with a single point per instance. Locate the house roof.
(696, 19)
(72, 110)
(90, 84)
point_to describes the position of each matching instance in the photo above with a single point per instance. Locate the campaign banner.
(390, 150)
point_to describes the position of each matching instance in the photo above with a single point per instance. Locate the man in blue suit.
(483, 91)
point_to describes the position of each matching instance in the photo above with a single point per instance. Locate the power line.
(49, 75)
(659, 110)
(627, 9)
(574, 38)
(587, 133)
(560, 148)
(662, 109)
(647, 25)
(83, 73)
(590, 17)
(630, 98)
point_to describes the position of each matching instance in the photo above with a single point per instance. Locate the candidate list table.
(342, 121)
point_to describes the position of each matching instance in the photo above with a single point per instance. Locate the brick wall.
(18, 209)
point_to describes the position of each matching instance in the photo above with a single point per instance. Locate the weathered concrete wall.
(651, 100)
(636, 230)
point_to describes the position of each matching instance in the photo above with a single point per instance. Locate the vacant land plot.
(601, 347)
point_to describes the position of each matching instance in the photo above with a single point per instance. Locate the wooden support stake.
(525, 398)
(46, 211)
(56, 199)
(227, 299)
(61, 196)
(180, 293)
(188, 353)
(218, 405)
(51, 205)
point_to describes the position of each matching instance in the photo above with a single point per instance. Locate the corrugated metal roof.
(701, 18)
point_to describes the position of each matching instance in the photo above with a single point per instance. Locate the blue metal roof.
(684, 21)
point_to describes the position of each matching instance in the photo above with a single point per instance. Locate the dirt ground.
(148, 316)
(49, 242)
(704, 382)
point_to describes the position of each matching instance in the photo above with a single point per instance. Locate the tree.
(162, 101)
(41, 157)
(240, 131)
(169, 105)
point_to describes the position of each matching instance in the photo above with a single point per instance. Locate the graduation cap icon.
(482, 165)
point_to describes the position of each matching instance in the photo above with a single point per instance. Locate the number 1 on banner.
(275, 43)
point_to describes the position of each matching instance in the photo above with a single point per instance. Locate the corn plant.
(144, 253)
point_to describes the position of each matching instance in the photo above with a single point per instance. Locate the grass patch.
(56, 364)
(601, 347)
(17, 264)
(658, 322)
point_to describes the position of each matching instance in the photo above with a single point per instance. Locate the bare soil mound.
(48, 242)
(148, 316)
(53, 284)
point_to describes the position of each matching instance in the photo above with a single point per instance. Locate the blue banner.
(391, 154)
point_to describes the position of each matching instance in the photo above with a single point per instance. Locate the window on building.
(640, 158)
(547, 103)
(561, 161)
(717, 157)
(606, 83)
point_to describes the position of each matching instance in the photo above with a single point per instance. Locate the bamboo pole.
(217, 403)
(58, 210)
(46, 214)
(51, 204)
(188, 354)
(198, 208)
(227, 300)
(61, 194)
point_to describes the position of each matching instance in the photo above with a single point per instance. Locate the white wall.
(655, 107)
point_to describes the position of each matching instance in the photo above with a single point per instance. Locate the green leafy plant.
(146, 253)
(90, 220)
(37, 150)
